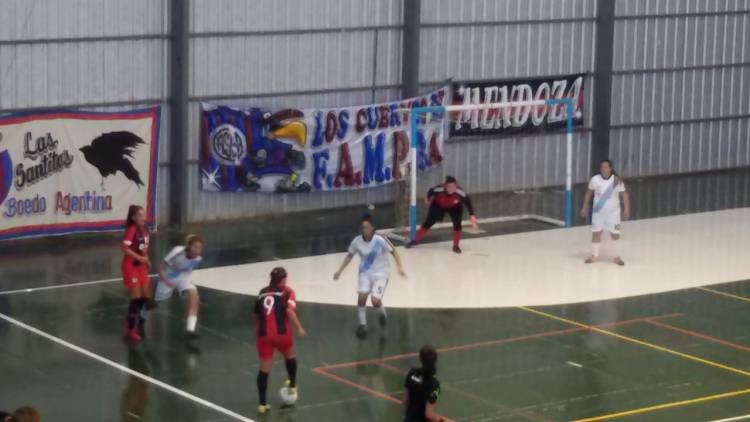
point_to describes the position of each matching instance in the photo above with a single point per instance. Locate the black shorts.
(436, 213)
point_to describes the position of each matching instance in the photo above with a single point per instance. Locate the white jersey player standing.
(374, 270)
(174, 273)
(607, 189)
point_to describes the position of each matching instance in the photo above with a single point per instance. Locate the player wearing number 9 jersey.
(275, 308)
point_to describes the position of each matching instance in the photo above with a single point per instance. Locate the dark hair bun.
(278, 274)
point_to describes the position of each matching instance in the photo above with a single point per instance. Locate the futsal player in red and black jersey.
(446, 198)
(135, 266)
(275, 308)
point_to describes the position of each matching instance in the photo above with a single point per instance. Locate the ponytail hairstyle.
(428, 357)
(191, 240)
(277, 276)
(132, 211)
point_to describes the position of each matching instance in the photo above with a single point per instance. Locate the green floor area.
(495, 365)
(678, 356)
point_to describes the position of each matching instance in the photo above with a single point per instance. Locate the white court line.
(123, 368)
(736, 418)
(60, 286)
(489, 220)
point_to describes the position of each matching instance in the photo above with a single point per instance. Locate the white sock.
(595, 249)
(192, 320)
(362, 314)
(382, 310)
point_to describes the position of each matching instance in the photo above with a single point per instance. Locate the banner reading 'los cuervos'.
(304, 150)
(515, 120)
(71, 171)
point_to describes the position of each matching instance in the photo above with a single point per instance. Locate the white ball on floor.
(287, 398)
(370, 207)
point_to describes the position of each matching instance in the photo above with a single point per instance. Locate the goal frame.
(416, 112)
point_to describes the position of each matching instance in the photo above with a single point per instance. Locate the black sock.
(141, 305)
(291, 370)
(133, 309)
(262, 386)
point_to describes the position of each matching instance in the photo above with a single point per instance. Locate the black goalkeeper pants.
(436, 213)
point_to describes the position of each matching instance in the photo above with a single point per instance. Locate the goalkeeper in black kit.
(446, 198)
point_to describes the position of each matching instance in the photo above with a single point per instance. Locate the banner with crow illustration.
(75, 171)
(312, 150)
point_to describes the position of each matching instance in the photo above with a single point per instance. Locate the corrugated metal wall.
(507, 39)
(92, 54)
(681, 86)
(297, 53)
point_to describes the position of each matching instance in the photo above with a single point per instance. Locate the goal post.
(416, 112)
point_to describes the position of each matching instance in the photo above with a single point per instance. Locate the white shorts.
(373, 284)
(164, 292)
(608, 220)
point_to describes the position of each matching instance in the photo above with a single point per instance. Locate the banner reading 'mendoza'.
(515, 120)
(305, 150)
(72, 171)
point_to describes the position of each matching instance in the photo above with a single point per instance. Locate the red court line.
(360, 387)
(492, 342)
(698, 335)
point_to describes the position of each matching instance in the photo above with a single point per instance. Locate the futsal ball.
(370, 207)
(287, 398)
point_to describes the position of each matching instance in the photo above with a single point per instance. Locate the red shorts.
(135, 276)
(267, 344)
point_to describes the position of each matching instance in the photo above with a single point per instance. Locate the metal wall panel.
(294, 15)
(473, 11)
(51, 19)
(53, 75)
(679, 93)
(281, 63)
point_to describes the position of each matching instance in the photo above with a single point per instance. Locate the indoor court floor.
(524, 330)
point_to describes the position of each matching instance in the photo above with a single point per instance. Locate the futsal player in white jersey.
(607, 189)
(174, 273)
(374, 270)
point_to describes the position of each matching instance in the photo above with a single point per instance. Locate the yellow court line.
(717, 292)
(664, 406)
(640, 342)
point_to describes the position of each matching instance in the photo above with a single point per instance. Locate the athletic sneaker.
(192, 335)
(411, 244)
(292, 390)
(133, 336)
(264, 408)
(456, 249)
(590, 260)
(362, 331)
(619, 261)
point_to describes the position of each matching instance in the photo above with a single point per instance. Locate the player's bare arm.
(586, 201)
(399, 265)
(127, 251)
(292, 315)
(163, 275)
(625, 196)
(344, 264)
